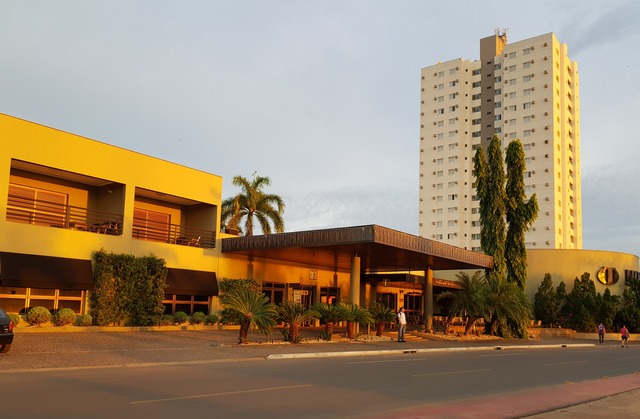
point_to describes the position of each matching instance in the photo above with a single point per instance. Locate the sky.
(322, 97)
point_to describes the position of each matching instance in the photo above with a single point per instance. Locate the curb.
(419, 351)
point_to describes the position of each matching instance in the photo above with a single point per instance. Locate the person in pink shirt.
(624, 334)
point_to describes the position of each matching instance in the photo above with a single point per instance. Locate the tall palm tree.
(293, 313)
(469, 300)
(252, 203)
(330, 314)
(255, 309)
(355, 314)
(381, 315)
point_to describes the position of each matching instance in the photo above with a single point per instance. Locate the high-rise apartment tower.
(526, 90)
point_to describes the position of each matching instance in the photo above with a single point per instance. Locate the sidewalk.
(606, 397)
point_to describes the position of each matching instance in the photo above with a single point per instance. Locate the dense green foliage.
(546, 305)
(468, 301)
(127, 289)
(252, 203)
(520, 215)
(329, 315)
(84, 320)
(381, 315)
(227, 286)
(180, 317)
(356, 315)
(15, 318)
(197, 318)
(64, 317)
(37, 316)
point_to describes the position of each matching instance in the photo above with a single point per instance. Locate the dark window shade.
(190, 282)
(34, 271)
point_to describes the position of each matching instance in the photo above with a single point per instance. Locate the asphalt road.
(182, 374)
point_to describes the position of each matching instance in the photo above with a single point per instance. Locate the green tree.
(469, 300)
(356, 315)
(520, 214)
(580, 305)
(381, 315)
(256, 311)
(508, 308)
(252, 203)
(330, 314)
(294, 314)
(629, 313)
(490, 181)
(227, 286)
(546, 304)
(607, 307)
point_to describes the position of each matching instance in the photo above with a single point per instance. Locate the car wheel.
(5, 348)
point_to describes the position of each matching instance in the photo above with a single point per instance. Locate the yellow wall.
(37, 144)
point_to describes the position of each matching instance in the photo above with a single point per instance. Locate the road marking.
(226, 393)
(451, 372)
(567, 363)
(517, 354)
(388, 360)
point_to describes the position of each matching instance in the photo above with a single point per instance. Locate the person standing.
(402, 325)
(624, 334)
(601, 332)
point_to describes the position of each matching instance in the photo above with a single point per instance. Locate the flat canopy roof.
(380, 250)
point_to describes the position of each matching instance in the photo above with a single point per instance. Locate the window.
(476, 72)
(440, 111)
(526, 78)
(512, 121)
(451, 223)
(512, 82)
(440, 135)
(498, 105)
(475, 134)
(451, 172)
(475, 210)
(451, 197)
(151, 225)
(439, 173)
(441, 86)
(452, 121)
(452, 96)
(439, 211)
(526, 64)
(497, 92)
(452, 159)
(498, 118)
(451, 236)
(439, 186)
(476, 84)
(526, 51)
(512, 68)
(475, 237)
(452, 134)
(36, 206)
(526, 119)
(453, 83)
(476, 121)
(440, 98)
(452, 146)
(526, 133)
(437, 236)
(477, 96)
(439, 198)
(440, 73)
(441, 123)
(440, 148)
(527, 105)
(476, 109)
(438, 223)
(453, 108)
(512, 107)
(439, 161)
(526, 92)
(452, 210)
(452, 71)
(498, 79)
(512, 55)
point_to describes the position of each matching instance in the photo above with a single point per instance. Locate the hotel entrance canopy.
(380, 249)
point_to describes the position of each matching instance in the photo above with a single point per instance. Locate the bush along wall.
(127, 289)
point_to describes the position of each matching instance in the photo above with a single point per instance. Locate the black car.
(6, 332)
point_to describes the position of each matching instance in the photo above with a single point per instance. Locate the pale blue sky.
(322, 97)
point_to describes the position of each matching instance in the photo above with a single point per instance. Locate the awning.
(190, 282)
(35, 271)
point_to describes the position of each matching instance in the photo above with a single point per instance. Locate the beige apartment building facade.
(526, 90)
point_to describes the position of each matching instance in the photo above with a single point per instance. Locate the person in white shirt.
(402, 325)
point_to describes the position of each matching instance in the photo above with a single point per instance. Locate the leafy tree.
(256, 310)
(490, 181)
(607, 306)
(252, 203)
(381, 314)
(330, 314)
(520, 215)
(629, 312)
(294, 314)
(546, 304)
(469, 300)
(580, 305)
(356, 315)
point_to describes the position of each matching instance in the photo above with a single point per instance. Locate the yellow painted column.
(428, 299)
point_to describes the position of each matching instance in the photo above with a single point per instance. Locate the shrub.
(166, 320)
(84, 320)
(37, 316)
(15, 318)
(211, 319)
(64, 317)
(180, 317)
(197, 318)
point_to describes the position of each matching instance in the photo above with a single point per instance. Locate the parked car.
(6, 332)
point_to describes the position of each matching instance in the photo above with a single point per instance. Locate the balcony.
(144, 229)
(41, 212)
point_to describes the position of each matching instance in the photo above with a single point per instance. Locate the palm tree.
(381, 314)
(356, 314)
(253, 202)
(469, 299)
(508, 308)
(330, 314)
(294, 313)
(255, 309)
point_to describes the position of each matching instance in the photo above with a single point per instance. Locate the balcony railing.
(173, 233)
(54, 214)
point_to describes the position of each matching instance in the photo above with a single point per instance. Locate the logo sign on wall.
(608, 275)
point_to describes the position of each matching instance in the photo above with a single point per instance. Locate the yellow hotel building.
(64, 197)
